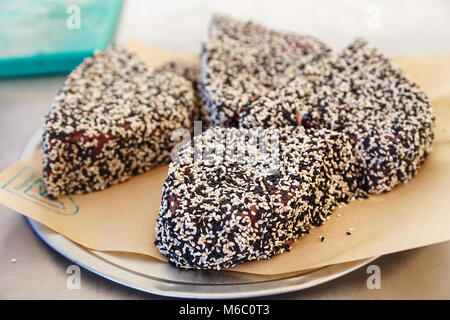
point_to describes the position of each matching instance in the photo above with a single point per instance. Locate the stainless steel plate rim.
(206, 285)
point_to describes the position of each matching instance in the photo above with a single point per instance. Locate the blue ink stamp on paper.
(28, 184)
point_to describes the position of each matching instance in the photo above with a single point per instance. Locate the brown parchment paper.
(122, 217)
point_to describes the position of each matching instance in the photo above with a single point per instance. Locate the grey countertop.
(398, 28)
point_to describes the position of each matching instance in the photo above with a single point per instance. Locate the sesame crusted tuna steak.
(360, 93)
(112, 119)
(236, 203)
(242, 61)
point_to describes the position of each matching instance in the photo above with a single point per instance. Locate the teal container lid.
(49, 36)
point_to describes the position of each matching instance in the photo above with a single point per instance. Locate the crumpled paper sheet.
(122, 217)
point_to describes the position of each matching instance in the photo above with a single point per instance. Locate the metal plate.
(150, 275)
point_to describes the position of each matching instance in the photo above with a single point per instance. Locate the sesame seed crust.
(182, 68)
(225, 208)
(190, 72)
(112, 119)
(360, 93)
(242, 61)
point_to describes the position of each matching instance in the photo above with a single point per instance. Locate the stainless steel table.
(410, 28)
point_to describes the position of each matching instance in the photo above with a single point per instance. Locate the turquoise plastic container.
(45, 36)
